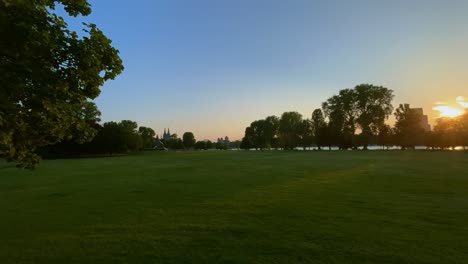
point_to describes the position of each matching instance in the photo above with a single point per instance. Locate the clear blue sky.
(212, 67)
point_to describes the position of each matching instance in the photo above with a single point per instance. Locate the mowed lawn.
(238, 207)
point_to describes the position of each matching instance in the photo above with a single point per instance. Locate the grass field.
(238, 207)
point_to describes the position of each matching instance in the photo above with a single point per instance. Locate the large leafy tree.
(306, 135)
(366, 107)
(385, 136)
(147, 136)
(290, 126)
(445, 133)
(373, 107)
(119, 137)
(48, 73)
(341, 112)
(247, 141)
(189, 139)
(271, 131)
(318, 124)
(259, 132)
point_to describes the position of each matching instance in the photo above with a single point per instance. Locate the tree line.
(355, 118)
(125, 136)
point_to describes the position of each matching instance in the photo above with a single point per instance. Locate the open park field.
(238, 207)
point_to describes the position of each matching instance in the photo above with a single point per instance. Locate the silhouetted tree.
(258, 134)
(189, 140)
(445, 134)
(132, 139)
(174, 143)
(246, 143)
(209, 144)
(236, 144)
(462, 129)
(341, 112)
(147, 136)
(318, 126)
(271, 131)
(248, 140)
(365, 107)
(306, 135)
(408, 129)
(385, 136)
(112, 137)
(199, 145)
(372, 107)
(221, 146)
(290, 129)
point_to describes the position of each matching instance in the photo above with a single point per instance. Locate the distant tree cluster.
(355, 118)
(408, 132)
(110, 138)
(125, 136)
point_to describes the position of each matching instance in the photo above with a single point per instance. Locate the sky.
(212, 67)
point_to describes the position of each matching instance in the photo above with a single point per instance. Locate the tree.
(147, 136)
(385, 136)
(341, 112)
(236, 144)
(271, 131)
(199, 145)
(462, 129)
(373, 107)
(248, 139)
(365, 107)
(317, 124)
(221, 146)
(48, 73)
(290, 129)
(246, 143)
(209, 144)
(112, 138)
(444, 134)
(326, 136)
(80, 139)
(119, 137)
(408, 129)
(132, 140)
(189, 140)
(259, 135)
(306, 135)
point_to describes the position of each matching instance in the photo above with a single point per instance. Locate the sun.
(448, 111)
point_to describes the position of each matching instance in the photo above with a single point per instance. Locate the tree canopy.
(365, 107)
(290, 126)
(189, 140)
(48, 75)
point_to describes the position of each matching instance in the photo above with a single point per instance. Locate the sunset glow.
(463, 102)
(446, 110)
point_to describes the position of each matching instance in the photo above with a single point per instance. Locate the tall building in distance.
(166, 135)
(424, 120)
(224, 140)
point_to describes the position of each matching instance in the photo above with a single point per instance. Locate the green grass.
(238, 207)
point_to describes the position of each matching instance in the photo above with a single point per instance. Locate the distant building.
(424, 119)
(224, 141)
(166, 135)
